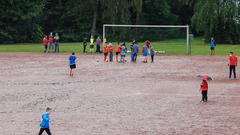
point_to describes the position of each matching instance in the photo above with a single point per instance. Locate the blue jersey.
(123, 50)
(45, 121)
(72, 59)
(145, 50)
(135, 48)
(152, 52)
(212, 43)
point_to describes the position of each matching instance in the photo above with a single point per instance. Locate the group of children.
(233, 62)
(51, 43)
(121, 50)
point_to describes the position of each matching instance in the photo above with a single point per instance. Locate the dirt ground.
(160, 98)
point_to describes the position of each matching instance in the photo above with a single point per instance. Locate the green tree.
(19, 20)
(219, 19)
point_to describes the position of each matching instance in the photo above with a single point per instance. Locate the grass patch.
(173, 47)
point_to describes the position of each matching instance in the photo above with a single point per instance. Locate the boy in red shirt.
(118, 51)
(232, 65)
(105, 51)
(45, 43)
(204, 88)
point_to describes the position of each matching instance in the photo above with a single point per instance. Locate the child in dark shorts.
(72, 63)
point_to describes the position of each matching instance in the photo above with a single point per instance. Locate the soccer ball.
(97, 60)
(106, 60)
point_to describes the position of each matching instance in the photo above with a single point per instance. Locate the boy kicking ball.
(72, 63)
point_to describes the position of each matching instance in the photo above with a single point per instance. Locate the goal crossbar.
(153, 26)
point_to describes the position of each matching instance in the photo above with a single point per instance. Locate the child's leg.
(230, 71)
(152, 58)
(202, 95)
(41, 131)
(135, 58)
(206, 97)
(48, 131)
(116, 57)
(234, 72)
(70, 72)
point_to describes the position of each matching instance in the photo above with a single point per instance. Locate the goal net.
(169, 39)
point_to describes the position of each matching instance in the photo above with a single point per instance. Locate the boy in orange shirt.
(105, 51)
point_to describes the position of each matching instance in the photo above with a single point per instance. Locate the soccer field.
(171, 47)
(117, 99)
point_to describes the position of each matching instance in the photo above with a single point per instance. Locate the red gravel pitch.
(116, 99)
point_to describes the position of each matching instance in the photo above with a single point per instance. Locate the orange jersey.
(233, 60)
(204, 86)
(105, 49)
(118, 48)
(110, 48)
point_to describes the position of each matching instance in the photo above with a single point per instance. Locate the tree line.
(28, 20)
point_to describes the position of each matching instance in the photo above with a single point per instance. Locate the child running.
(45, 122)
(105, 51)
(118, 51)
(72, 63)
(204, 88)
(232, 65)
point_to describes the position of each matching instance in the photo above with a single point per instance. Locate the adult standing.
(232, 65)
(98, 43)
(56, 42)
(91, 44)
(84, 44)
(212, 45)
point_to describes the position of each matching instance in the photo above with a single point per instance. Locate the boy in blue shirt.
(72, 63)
(212, 46)
(45, 122)
(135, 51)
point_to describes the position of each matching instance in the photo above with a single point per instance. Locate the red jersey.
(118, 48)
(45, 41)
(233, 60)
(51, 39)
(204, 86)
(105, 49)
(110, 48)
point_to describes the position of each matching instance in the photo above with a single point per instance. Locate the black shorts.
(73, 66)
(212, 48)
(105, 54)
(117, 53)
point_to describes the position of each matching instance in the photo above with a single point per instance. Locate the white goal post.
(188, 48)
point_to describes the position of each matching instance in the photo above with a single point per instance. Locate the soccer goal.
(169, 39)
